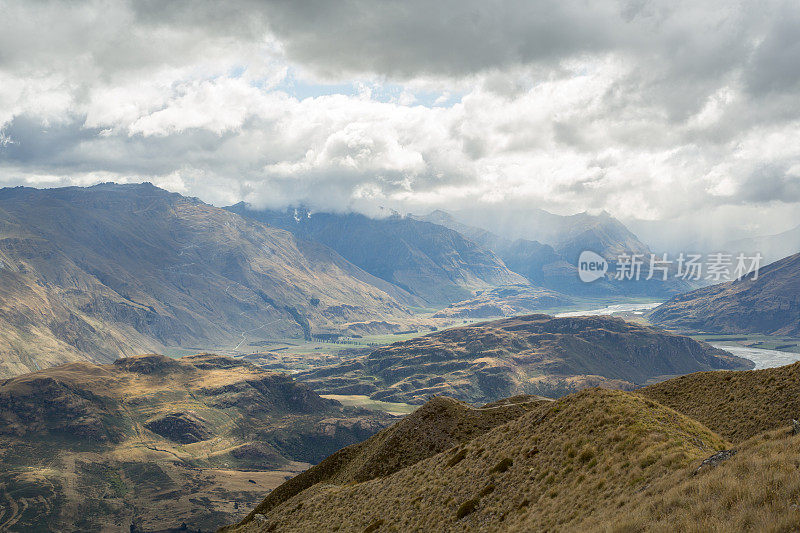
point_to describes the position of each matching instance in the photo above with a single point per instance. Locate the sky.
(674, 116)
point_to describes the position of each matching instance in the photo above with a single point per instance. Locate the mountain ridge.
(433, 263)
(95, 273)
(532, 354)
(769, 304)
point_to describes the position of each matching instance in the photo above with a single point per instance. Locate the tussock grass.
(737, 405)
(548, 489)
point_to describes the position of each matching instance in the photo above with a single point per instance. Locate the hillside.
(547, 469)
(100, 272)
(596, 460)
(769, 304)
(435, 427)
(434, 264)
(510, 300)
(737, 405)
(158, 442)
(535, 354)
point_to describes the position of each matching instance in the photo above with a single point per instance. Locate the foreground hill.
(769, 304)
(535, 354)
(433, 263)
(158, 442)
(111, 270)
(435, 427)
(597, 460)
(737, 405)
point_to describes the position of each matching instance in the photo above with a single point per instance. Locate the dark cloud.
(642, 107)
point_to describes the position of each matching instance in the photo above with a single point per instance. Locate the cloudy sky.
(659, 110)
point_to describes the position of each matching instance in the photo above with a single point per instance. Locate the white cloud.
(647, 110)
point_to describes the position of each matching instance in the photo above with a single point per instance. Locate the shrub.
(466, 508)
(503, 465)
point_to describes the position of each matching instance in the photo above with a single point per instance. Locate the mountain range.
(435, 264)
(552, 262)
(99, 272)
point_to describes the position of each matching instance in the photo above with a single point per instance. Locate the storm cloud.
(647, 109)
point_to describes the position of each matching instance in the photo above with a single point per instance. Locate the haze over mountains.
(441, 259)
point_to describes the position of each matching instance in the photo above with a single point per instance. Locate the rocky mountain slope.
(551, 262)
(769, 304)
(434, 264)
(156, 442)
(110, 270)
(535, 354)
(596, 460)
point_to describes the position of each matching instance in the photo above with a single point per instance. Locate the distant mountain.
(554, 266)
(111, 270)
(593, 460)
(769, 304)
(535, 354)
(433, 263)
(771, 247)
(538, 263)
(158, 442)
(568, 235)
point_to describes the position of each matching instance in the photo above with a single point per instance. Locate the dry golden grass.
(737, 405)
(758, 489)
(583, 456)
(433, 428)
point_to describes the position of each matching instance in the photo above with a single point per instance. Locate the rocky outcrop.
(183, 428)
(715, 460)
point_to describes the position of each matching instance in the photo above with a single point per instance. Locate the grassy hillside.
(737, 405)
(596, 460)
(158, 441)
(584, 454)
(433, 428)
(535, 354)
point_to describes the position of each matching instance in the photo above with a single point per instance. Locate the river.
(762, 358)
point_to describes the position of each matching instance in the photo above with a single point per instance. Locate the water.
(762, 358)
(611, 309)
